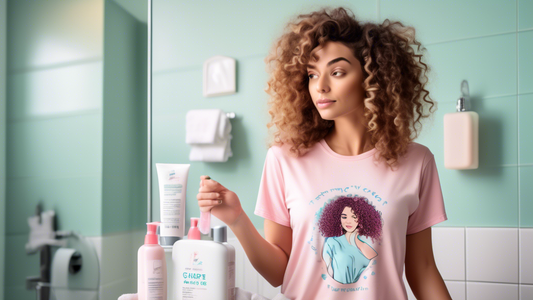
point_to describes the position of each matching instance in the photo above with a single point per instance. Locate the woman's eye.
(344, 218)
(337, 72)
(310, 76)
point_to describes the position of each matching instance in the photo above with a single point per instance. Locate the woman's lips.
(325, 103)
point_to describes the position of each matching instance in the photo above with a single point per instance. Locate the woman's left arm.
(420, 268)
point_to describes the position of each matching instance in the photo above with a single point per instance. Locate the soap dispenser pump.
(461, 134)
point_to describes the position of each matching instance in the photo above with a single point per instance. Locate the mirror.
(76, 139)
(187, 33)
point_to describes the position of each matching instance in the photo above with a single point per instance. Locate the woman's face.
(349, 220)
(336, 82)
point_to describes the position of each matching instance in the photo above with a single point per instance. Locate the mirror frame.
(149, 111)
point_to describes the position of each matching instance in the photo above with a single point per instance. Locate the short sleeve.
(430, 210)
(271, 199)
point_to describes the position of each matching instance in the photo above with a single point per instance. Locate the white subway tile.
(526, 292)
(449, 252)
(486, 291)
(266, 289)
(492, 254)
(251, 282)
(240, 257)
(526, 255)
(116, 289)
(116, 258)
(457, 289)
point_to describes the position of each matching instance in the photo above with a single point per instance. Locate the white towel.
(206, 126)
(42, 232)
(218, 152)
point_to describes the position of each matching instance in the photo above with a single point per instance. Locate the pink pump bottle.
(194, 232)
(151, 267)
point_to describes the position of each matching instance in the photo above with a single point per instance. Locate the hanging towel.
(42, 232)
(206, 126)
(208, 134)
(218, 152)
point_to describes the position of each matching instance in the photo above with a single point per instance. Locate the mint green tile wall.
(489, 47)
(54, 124)
(187, 33)
(2, 141)
(124, 146)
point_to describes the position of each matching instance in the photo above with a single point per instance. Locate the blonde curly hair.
(394, 81)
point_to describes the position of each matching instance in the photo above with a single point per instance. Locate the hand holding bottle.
(221, 202)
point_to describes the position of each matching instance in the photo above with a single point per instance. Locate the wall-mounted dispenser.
(461, 134)
(219, 76)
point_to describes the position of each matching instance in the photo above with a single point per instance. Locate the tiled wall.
(76, 129)
(2, 139)
(489, 44)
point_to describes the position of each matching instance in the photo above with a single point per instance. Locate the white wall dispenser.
(219, 76)
(461, 134)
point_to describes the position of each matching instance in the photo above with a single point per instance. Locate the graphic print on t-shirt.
(344, 221)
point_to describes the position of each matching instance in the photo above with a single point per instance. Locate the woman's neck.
(348, 138)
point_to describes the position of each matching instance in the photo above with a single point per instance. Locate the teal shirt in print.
(347, 261)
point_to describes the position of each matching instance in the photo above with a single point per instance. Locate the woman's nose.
(322, 86)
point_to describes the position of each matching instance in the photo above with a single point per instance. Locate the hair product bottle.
(204, 269)
(151, 267)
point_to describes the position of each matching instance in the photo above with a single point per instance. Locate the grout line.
(64, 115)
(56, 65)
(465, 253)
(470, 38)
(15, 178)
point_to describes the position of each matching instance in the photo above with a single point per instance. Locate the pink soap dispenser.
(151, 267)
(461, 134)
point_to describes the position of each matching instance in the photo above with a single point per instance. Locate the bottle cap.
(220, 234)
(194, 222)
(151, 236)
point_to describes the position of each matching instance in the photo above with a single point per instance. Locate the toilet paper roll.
(60, 264)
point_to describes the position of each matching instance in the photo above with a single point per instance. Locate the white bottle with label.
(204, 269)
(151, 267)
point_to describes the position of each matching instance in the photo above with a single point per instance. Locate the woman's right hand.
(223, 203)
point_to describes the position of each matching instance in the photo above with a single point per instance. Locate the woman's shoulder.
(417, 154)
(418, 148)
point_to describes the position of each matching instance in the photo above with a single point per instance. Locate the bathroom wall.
(490, 210)
(2, 140)
(76, 132)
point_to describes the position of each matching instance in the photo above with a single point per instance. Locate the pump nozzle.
(151, 235)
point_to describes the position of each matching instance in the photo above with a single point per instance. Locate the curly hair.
(369, 219)
(394, 81)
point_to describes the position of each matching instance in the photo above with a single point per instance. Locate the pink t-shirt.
(323, 196)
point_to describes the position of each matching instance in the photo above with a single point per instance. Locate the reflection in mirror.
(76, 136)
(185, 34)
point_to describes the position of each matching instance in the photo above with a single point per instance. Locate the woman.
(345, 99)
(342, 222)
